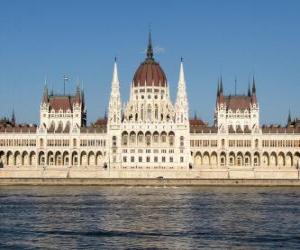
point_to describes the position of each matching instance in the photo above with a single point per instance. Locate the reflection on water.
(149, 218)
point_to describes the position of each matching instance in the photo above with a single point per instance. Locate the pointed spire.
(249, 90)
(218, 88)
(13, 117)
(114, 112)
(289, 120)
(115, 78)
(45, 94)
(181, 72)
(253, 86)
(181, 104)
(149, 48)
(221, 85)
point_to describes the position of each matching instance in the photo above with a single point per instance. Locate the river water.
(149, 218)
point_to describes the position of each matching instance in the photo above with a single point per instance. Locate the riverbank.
(145, 182)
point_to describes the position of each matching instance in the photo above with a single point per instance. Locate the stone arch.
(239, 159)
(281, 159)
(289, 159)
(247, 159)
(58, 159)
(256, 159)
(155, 137)
(25, 158)
(140, 138)
(50, 158)
(163, 137)
(206, 159)
(223, 159)
(83, 159)
(99, 158)
(65, 158)
(74, 158)
(198, 159)
(2, 158)
(91, 158)
(148, 138)
(32, 158)
(213, 159)
(41, 158)
(266, 159)
(124, 138)
(171, 136)
(273, 159)
(18, 158)
(297, 159)
(10, 158)
(132, 138)
(231, 159)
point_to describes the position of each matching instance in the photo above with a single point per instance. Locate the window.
(148, 159)
(181, 159)
(124, 159)
(140, 159)
(181, 141)
(114, 141)
(132, 159)
(163, 159)
(171, 159)
(155, 159)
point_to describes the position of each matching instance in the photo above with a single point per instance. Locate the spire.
(218, 88)
(149, 48)
(253, 86)
(13, 117)
(114, 111)
(45, 94)
(289, 120)
(181, 73)
(221, 85)
(249, 91)
(115, 79)
(181, 105)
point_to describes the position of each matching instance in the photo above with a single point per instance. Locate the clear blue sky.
(81, 39)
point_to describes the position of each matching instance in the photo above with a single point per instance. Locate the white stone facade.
(150, 134)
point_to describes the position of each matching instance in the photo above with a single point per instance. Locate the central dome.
(149, 73)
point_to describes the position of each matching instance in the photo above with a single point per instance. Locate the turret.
(181, 105)
(114, 111)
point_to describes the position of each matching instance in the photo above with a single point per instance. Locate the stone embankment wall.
(99, 176)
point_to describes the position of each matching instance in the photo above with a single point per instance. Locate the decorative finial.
(115, 59)
(181, 59)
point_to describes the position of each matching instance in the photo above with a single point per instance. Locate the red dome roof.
(150, 73)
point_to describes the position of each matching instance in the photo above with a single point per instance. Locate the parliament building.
(149, 134)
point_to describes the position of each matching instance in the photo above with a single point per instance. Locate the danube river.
(149, 218)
